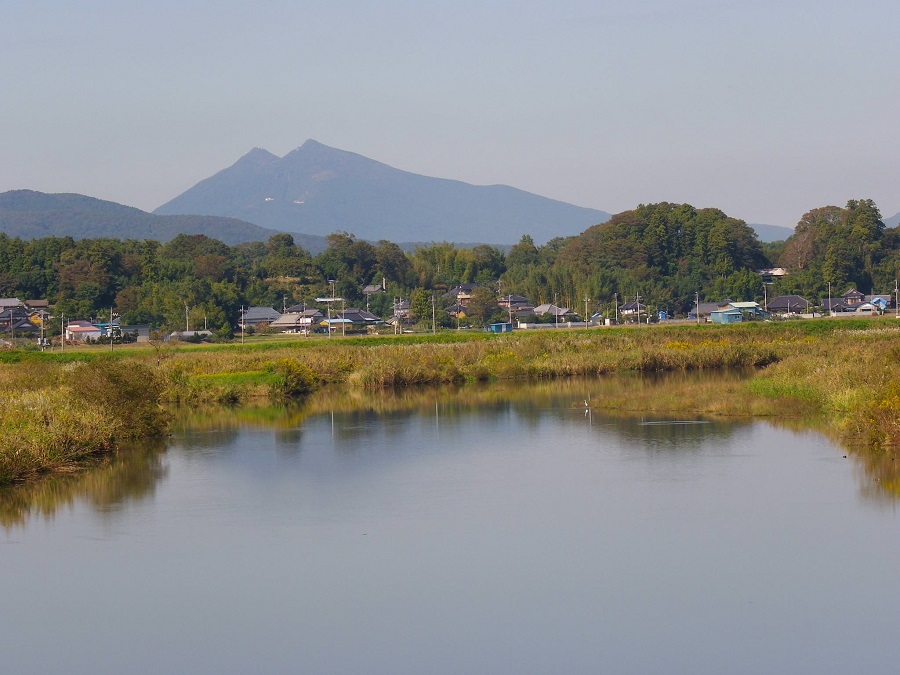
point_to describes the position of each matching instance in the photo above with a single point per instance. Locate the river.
(505, 529)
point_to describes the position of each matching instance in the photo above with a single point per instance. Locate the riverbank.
(58, 418)
(59, 409)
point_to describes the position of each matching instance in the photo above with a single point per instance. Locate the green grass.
(847, 371)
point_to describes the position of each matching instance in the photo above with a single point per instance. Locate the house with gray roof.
(259, 316)
(303, 320)
(788, 304)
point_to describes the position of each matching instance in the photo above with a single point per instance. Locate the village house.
(258, 316)
(736, 312)
(632, 310)
(462, 293)
(854, 301)
(353, 320)
(11, 316)
(704, 309)
(298, 319)
(517, 305)
(772, 274)
(788, 304)
(558, 313)
(81, 330)
(373, 289)
(7, 303)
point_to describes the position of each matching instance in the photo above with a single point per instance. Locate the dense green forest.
(664, 252)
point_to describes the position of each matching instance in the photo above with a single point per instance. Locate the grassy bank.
(56, 418)
(843, 370)
(59, 408)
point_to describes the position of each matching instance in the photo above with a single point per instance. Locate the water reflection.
(642, 414)
(130, 475)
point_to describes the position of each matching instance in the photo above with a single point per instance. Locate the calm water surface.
(505, 533)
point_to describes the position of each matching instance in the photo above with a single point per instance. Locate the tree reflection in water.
(129, 475)
(643, 412)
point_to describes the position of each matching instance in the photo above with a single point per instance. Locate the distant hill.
(30, 215)
(316, 189)
(893, 221)
(767, 233)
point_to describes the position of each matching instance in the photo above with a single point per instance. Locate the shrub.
(295, 379)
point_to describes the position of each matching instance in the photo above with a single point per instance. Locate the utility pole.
(433, 316)
(637, 301)
(586, 301)
(830, 313)
(242, 324)
(331, 281)
(62, 328)
(697, 296)
(616, 299)
(110, 329)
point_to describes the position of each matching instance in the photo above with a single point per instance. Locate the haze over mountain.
(769, 233)
(893, 221)
(317, 190)
(29, 214)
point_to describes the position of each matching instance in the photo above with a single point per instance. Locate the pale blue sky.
(762, 108)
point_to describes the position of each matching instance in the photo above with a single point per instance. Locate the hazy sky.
(763, 108)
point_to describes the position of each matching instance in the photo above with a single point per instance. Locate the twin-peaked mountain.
(318, 190)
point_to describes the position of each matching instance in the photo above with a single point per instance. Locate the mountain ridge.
(318, 189)
(30, 214)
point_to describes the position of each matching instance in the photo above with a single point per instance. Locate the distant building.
(11, 316)
(632, 309)
(81, 330)
(517, 305)
(298, 319)
(726, 315)
(735, 312)
(854, 301)
(259, 316)
(558, 313)
(354, 320)
(788, 304)
(462, 293)
(704, 309)
(772, 274)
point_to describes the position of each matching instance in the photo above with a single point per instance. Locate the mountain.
(769, 233)
(893, 221)
(318, 190)
(29, 215)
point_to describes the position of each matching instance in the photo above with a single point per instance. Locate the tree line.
(666, 253)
